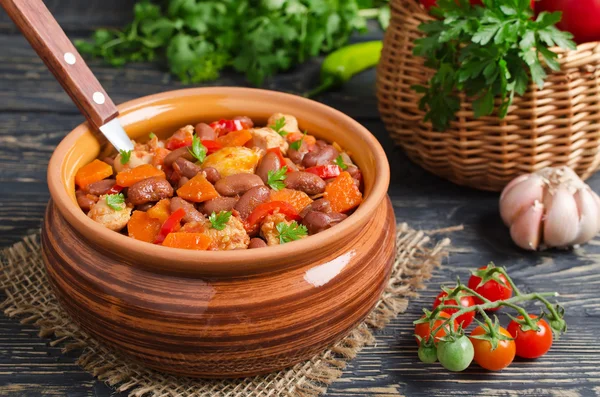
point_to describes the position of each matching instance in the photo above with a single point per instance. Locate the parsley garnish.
(115, 201)
(291, 232)
(486, 52)
(339, 160)
(125, 156)
(278, 126)
(296, 145)
(218, 221)
(275, 178)
(152, 135)
(198, 150)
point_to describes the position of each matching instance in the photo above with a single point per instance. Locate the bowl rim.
(214, 262)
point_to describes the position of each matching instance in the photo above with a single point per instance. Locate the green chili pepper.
(339, 66)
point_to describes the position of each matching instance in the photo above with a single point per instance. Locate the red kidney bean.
(218, 204)
(320, 205)
(321, 143)
(109, 160)
(144, 207)
(177, 153)
(247, 121)
(257, 242)
(269, 162)
(354, 171)
(205, 132)
(84, 200)
(307, 182)
(251, 199)
(290, 164)
(316, 221)
(297, 155)
(191, 213)
(101, 187)
(320, 156)
(151, 189)
(182, 181)
(237, 184)
(211, 174)
(186, 168)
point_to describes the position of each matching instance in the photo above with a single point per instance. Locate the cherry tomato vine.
(441, 336)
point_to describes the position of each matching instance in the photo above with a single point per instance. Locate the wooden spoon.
(60, 56)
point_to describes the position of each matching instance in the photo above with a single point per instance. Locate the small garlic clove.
(561, 224)
(513, 183)
(597, 200)
(525, 230)
(588, 215)
(521, 196)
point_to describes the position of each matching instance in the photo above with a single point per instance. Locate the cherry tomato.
(427, 354)
(423, 329)
(491, 290)
(455, 355)
(531, 344)
(580, 17)
(497, 359)
(465, 300)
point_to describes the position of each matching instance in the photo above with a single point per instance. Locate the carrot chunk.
(197, 190)
(295, 198)
(159, 156)
(343, 194)
(129, 177)
(190, 241)
(93, 172)
(235, 138)
(160, 210)
(142, 227)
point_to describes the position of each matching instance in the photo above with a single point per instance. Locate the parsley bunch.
(256, 37)
(486, 52)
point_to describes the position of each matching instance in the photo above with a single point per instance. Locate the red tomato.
(211, 146)
(266, 209)
(491, 290)
(531, 344)
(497, 359)
(465, 300)
(580, 17)
(424, 331)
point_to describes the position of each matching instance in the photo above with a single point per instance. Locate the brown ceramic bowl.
(219, 314)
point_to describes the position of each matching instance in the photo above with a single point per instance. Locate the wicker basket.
(559, 125)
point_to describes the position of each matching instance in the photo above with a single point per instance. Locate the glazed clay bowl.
(228, 313)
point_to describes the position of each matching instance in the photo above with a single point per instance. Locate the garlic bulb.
(550, 208)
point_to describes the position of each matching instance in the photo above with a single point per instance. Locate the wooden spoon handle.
(60, 56)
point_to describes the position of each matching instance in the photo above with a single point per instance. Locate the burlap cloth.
(30, 298)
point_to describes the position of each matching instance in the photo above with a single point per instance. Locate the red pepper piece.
(116, 189)
(263, 210)
(211, 146)
(174, 143)
(325, 171)
(282, 161)
(223, 127)
(169, 226)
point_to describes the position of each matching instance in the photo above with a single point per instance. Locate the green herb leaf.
(278, 126)
(152, 135)
(115, 201)
(219, 221)
(296, 145)
(125, 156)
(291, 232)
(198, 150)
(339, 160)
(275, 178)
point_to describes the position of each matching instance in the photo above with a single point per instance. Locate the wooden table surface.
(35, 115)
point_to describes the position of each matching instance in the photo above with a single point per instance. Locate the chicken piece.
(110, 218)
(266, 138)
(268, 230)
(233, 236)
(291, 124)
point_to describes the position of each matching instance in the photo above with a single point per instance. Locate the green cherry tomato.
(427, 354)
(456, 355)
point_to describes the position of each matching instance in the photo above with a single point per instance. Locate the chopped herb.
(275, 178)
(296, 145)
(339, 160)
(278, 126)
(218, 221)
(125, 156)
(198, 150)
(291, 232)
(115, 201)
(152, 135)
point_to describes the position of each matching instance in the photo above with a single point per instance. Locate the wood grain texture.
(35, 114)
(220, 327)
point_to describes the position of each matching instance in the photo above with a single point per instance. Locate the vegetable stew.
(223, 186)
